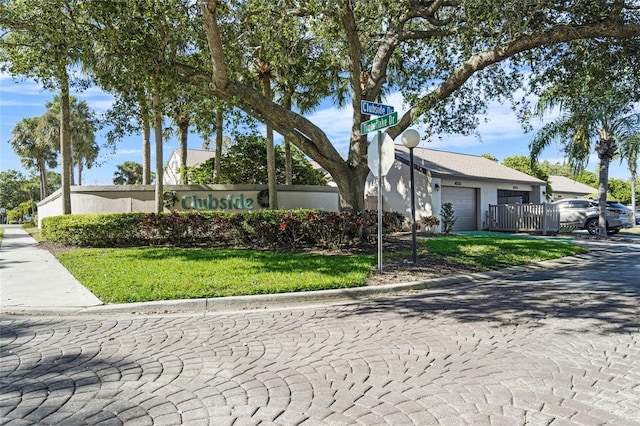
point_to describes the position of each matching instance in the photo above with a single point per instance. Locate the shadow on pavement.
(606, 306)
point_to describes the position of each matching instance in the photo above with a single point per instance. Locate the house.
(563, 187)
(195, 157)
(470, 183)
(324, 172)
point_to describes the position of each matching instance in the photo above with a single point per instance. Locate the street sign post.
(372, 108)
(379, 123)
(381, 153)
(380, 158)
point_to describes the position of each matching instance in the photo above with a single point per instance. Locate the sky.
(501, 135)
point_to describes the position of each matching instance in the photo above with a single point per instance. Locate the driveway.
(557, 346)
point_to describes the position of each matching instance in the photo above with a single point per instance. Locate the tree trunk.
(218, 157)
(351, 184)
(288, 163)
(157, 113)
(146, 139)
(634, 176)
(271, 157)
(80, 172)
(42, 167)
(606, 149)
(72, 178)
(65, 140)
(183, 128)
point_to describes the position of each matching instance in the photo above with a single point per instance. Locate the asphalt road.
(556, 346)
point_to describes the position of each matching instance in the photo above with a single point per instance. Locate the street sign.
(386, 154)
(372, 108)
(379, 123)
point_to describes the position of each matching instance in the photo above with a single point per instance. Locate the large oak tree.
(448, 58)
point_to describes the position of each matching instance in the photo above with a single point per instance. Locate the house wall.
(397, 197)
(564, 195)
(396, 192)
(171, 175)
(487, 193)
(229, 198)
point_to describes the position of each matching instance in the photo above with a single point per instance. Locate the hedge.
(280, 230)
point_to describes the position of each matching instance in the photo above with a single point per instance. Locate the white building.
(563, 187)
(195, 157)
(470, 183)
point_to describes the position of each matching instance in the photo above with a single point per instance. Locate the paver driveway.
(551, 347)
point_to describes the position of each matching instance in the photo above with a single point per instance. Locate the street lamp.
(411, 139)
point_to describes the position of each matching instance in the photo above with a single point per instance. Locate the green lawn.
(136, 275)
(496, 252)
(634, 231)
(145, 274)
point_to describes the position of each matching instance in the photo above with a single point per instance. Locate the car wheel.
(592, 226)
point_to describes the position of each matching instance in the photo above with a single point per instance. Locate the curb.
(284, 300)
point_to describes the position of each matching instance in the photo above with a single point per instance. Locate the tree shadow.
(56, 384)
(611, 306)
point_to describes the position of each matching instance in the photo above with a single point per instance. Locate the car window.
(616, 205)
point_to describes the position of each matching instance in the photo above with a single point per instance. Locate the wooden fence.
(544, 218)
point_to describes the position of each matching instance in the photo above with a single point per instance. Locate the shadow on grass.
(496, 252)
(265, 261)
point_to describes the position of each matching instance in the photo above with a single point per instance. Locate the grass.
(633, 231)
(137, 275)
(146, 274)
(493, 252)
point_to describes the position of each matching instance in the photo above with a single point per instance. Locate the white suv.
(582, 213)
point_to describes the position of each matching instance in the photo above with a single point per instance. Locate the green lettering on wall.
(228, 202)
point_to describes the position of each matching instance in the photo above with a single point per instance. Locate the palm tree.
(592, 110)
(128, 173)
(34, 150)
(83, 139)
(84, 149)
(630, 150)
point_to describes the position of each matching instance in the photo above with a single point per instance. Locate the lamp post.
(411, 139)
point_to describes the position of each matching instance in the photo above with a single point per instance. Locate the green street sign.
(379, 123)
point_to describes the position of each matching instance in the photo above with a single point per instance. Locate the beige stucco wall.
(396, 192)
(140, 198)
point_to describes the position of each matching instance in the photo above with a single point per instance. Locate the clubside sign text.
(230, 202)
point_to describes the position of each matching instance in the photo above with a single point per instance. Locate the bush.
(280, 230)
(448, 217)
(428, 222)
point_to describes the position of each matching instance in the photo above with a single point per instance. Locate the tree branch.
(209, 12)
(558, 34)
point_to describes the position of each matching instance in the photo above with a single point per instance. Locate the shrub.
(448, 217)
(429, 221)
(280, 230)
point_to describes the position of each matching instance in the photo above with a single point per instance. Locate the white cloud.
(23, 87)
(125, 152)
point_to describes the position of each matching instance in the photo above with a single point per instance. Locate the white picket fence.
(544, 218)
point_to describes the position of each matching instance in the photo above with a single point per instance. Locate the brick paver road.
(551, 347)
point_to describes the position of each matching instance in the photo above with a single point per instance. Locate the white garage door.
(464, 206)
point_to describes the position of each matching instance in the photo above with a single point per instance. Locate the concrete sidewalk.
(32, 278)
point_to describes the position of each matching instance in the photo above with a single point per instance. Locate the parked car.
(583, 213)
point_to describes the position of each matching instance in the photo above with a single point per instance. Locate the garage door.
(464, 206)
